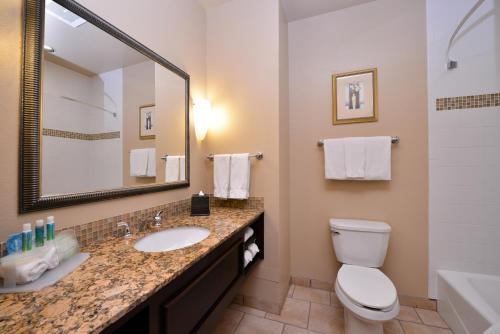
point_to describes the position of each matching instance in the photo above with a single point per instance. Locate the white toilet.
(369, 297)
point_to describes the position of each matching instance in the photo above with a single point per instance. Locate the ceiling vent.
(59, 12)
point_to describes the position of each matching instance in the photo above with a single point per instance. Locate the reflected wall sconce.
(201, 113)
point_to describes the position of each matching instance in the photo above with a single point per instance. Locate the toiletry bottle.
(27, 237)
(39, 230)
(51, 226)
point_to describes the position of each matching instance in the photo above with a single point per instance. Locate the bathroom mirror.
(102, 116)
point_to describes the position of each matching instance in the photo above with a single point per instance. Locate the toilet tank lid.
(359, 225)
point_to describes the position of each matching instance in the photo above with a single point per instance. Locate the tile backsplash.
(468, 102)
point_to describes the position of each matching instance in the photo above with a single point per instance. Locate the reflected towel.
(378, 158)
(172, 168)
(151, 172)
(139, 162)
(334, 159)
(222, 167)
(182, 168)
(355, 157)
(239, 184)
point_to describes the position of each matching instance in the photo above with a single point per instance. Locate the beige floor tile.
(326, 319)
(251, 324)
(413, 328)
(393, 327)
(296, 330)
(290, 290)
(295, 312)
(334, 300)
(407, 313)
(431, 318)
(228, 322)
(312, 295)
(249, 310)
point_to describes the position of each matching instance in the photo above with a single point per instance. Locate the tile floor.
(312, 311)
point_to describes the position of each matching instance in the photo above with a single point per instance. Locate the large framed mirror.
(102, 116)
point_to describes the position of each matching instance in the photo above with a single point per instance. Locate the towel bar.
(394, 140)
(258, 156)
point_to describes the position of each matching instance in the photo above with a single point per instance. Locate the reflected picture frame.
(147, 122)
(355, 97)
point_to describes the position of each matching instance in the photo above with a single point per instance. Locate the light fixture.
(201, 113)
(48, 48)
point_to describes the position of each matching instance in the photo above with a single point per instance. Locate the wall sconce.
(201, 113)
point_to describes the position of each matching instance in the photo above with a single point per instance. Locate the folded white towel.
(254, 249)
(151, 172)
(355, 157)
(378, 158)
(247, 257)
(239, 184)
(30, 270)
(182, 168)
(138, 162)
(172, 165)
(334, 159)
(222, 168)
(248, 233)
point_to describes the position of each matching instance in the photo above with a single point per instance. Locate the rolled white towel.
(248, 233)
(248, 257)
(50, 257)
(30, 270)
(254, 249)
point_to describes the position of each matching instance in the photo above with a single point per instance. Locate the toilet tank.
(360, 242)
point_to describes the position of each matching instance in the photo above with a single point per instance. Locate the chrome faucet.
(157, 219)
(127, 234)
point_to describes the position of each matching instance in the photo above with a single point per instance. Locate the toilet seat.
(367, 287)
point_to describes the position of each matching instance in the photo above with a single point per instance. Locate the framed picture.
(355, 97)
(147, 121)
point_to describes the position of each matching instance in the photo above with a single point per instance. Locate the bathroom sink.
(172, 239)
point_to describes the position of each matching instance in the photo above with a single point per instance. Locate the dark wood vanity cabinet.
(194, 301)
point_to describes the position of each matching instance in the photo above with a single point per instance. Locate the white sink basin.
(172, 239)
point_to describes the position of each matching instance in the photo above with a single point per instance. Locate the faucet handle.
(157, 218)
(158, 215)
(127, 234)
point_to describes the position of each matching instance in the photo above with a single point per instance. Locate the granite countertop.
(114, 279)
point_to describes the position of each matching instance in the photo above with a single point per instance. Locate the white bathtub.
(469, 303)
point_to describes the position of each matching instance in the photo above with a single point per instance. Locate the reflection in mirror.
(111, 117)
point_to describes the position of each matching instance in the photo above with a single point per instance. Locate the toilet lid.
(367, 286)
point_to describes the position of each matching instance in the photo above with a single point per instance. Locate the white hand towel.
(222, 168)
(138, 162)
(50, 257)
(254, 249)
(151, 172)
(248, 233)
(334, 159)
(172, 168)
(247, 257)
(355, 157)
(239, 184)
(30, 270)
(378, 158)
(182, 168)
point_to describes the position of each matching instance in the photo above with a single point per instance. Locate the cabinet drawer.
(189, 308)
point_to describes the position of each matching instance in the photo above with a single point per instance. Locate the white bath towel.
(139, 162)
(355, 157)
(248, 233)
(334, 159)
(254, 249)
(182, 168)
(222, 169)
(247, 257)
(239, 183)
(378, 158)
(172, 168)
(151, 172)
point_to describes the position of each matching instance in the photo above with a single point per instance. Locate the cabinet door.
(186, 311)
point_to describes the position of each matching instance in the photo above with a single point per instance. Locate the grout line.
(308, 314)
(418, 315)
(239, 322)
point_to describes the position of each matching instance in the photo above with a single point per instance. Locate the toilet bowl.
(369, 297)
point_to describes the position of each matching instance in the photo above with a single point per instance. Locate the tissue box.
(200, 205)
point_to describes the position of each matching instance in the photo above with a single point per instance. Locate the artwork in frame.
(355, 97)
(147, 121)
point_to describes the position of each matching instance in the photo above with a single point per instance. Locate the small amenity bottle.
(27, 237)
(51, 226)
(39, 231)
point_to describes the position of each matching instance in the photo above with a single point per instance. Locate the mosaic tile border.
(80, 136)
(468, 102)
(103, 229)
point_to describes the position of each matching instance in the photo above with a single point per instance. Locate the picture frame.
(355, 97)
(147, 122)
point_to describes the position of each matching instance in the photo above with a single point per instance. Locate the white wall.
(464, 145)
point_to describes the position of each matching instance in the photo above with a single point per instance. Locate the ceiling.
(301, 9)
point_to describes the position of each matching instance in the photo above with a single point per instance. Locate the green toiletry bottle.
(51, 226)
(27, 237)
(39, 231)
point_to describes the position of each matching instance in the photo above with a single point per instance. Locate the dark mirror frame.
(30, 198)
